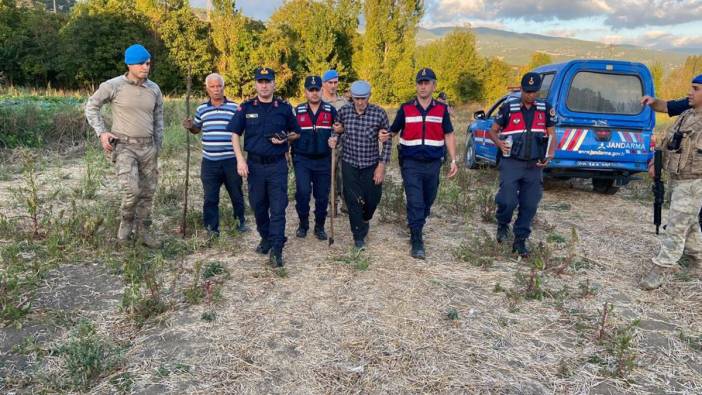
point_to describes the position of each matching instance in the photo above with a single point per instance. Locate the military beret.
(697, 80)
(329, 75)
(136, 54)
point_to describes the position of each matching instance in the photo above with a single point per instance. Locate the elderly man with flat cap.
(134, 139)
(363, 158)
(522, 129)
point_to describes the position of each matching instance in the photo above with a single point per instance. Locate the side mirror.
(480, 114)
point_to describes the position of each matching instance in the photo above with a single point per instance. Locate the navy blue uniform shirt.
(677, 107)
(258, 122)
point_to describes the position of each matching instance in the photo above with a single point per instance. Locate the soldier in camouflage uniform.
(134, 140)
(684, 166)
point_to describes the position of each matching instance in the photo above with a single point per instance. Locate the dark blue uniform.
(521, 181)
(419, 164)
(268, 169)
(312, 162)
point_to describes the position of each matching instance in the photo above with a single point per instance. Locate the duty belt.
(314, 156)
(265, 159)
(134, 140)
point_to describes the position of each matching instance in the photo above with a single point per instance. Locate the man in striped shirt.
(218, 159)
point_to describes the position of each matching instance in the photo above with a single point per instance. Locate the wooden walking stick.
(188, 86)
(333, 195)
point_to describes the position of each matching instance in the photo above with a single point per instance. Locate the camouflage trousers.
(682, 233)
(137, 174)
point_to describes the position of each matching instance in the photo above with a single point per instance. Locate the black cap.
(426, 74)
(531, 82)
(313, 82)
(264, 73)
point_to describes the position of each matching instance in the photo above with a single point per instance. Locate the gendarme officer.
(265, 122)
(312, 157)
(528, 124)
(426, 133)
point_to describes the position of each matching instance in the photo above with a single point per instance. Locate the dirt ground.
(403, 325)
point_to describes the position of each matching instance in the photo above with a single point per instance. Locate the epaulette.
(327, 107)
(540, 105)
(301, 108)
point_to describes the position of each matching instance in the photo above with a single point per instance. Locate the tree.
(678, 82)
(458, 66)
(657, 74)
(28, 44)
(307, 37)
(94, 39)
(537, 59)
(187, 39)
(497, 78)
(386, 58)
(235, 38)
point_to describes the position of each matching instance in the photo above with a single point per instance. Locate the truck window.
(605, 93)
(546, 81)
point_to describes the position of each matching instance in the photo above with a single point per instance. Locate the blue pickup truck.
(602, 131)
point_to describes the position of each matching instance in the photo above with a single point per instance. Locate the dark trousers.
(421, 182)
(268, 197)
(213, 174)
(521, 183)
(312, 176)
(362, 197)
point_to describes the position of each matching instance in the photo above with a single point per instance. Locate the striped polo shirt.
(213, 121)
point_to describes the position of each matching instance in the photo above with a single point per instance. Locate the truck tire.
(471, 160)
(604, 186)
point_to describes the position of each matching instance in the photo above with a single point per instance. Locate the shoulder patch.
(552, 112)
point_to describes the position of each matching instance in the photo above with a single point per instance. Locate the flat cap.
(360, 88)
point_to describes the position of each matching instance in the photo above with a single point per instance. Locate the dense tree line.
(82, 44)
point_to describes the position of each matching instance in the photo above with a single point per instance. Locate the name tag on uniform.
(254, 115)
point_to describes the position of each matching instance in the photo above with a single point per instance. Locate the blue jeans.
(312, 176)
(268, 197)
(421, 182)
(521, 184)
(213, 174)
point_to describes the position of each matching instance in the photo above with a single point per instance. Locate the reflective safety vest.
(315, 130)
(528, 141)
(422, 137)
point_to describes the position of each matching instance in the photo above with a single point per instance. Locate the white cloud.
(616, 13)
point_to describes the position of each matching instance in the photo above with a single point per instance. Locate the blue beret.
(313, 82)
(360, 88)
(329, 75)
(531, 82)
(136, 54)
(264, 73)
(697, 80)
(425, 74)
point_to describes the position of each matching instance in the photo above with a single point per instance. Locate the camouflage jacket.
(113, 91)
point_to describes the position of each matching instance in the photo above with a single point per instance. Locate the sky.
(659, 24)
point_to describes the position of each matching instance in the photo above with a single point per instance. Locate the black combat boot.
(302, 229)
(276, 258)
(520, 248)
(417, 244)
(264, 246)
(319, 232)
(502, 233)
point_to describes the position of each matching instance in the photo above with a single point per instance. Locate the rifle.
(658, 188)
(183, 223)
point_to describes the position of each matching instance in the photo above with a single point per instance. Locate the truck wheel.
(471, 160)
(604, 186)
